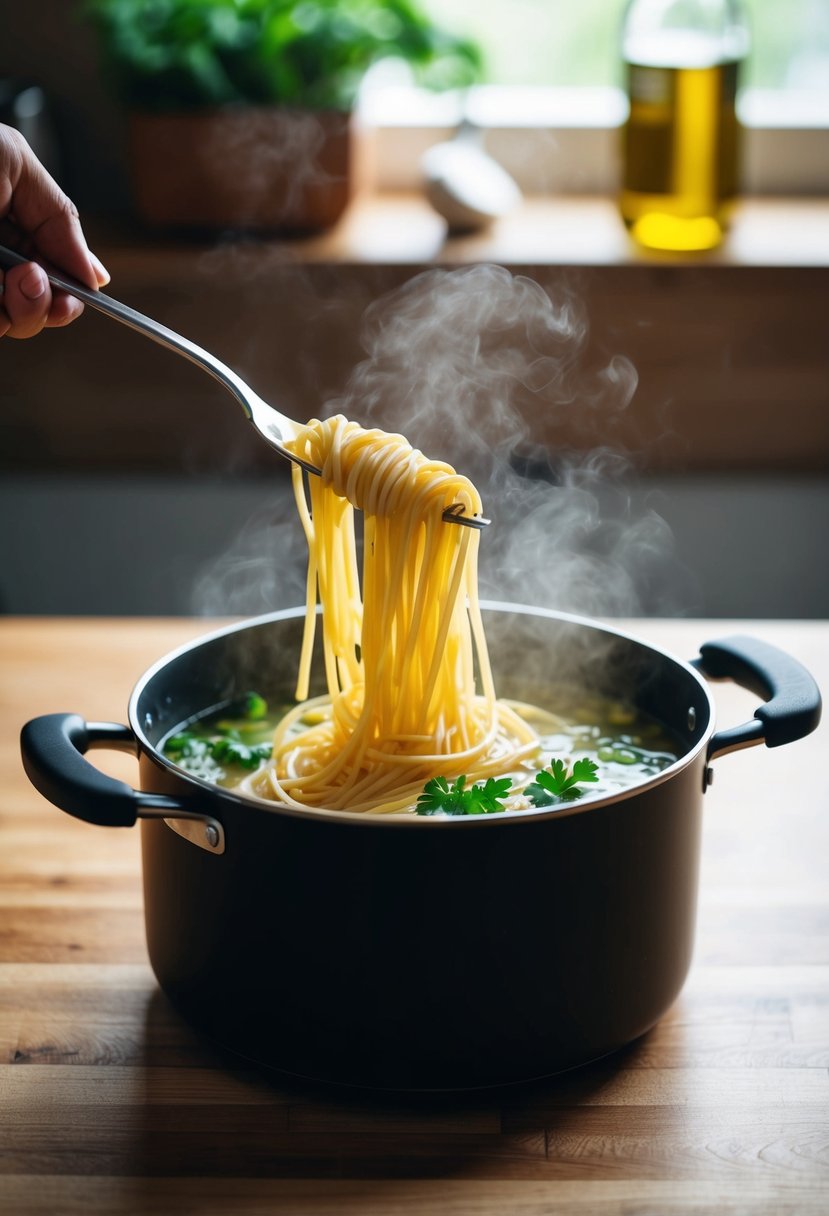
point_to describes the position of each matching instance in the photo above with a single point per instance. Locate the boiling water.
(628, 746)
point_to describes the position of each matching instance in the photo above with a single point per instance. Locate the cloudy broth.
(225, 744)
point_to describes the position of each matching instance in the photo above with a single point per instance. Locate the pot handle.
(53, 749)
(791, 697)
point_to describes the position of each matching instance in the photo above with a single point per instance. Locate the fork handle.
(138, 321)
(196, 354)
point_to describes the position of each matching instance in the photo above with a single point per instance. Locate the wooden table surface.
(111, 1104)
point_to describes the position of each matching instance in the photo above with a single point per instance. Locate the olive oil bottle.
(681, 138)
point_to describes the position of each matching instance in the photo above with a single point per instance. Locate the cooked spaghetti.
(401, 650)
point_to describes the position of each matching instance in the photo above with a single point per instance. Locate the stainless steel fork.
(275, 428)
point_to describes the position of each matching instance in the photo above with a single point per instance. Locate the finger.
(101, 272)
(65, 308)
(27, 299)
(59, 238)
(44, 212)
(17, 240)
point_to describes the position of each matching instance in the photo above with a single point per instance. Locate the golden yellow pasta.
(402, 649)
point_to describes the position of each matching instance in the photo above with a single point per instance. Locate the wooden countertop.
(111, 1104)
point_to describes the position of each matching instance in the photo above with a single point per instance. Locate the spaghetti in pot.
(401, 650)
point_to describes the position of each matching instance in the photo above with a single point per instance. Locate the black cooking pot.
(413, 953)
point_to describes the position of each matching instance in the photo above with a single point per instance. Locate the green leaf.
(172, 54)
(185, 744)
(438, 797)
(483, 798)
(231, 751)
(489, 797)
(176, 743)
(555, 779)
(585, 770)
(539, 796)
(555, 785)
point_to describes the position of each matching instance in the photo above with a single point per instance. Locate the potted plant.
(240, 110)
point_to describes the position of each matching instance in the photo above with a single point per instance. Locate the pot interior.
(536, 655)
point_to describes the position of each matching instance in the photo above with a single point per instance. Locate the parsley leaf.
(555, 784)
(483, 798)
(489, 796)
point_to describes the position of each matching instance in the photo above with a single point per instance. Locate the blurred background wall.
(48, 43)
(129, 478)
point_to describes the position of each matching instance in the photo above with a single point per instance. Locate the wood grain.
(109, 1103)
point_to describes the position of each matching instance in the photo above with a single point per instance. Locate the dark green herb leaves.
(483, 798)
(552, 785)
(185, 745)
(555, 784)
(223, 750)
(231, 751)
(189, 54)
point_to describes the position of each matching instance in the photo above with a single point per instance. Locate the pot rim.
(366, 819)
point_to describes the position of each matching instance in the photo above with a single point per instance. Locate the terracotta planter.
(242, 167)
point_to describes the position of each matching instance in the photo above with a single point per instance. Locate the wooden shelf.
(392, 229)
(584, 231)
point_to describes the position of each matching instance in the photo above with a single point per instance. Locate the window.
(552, 65)
(553, 42)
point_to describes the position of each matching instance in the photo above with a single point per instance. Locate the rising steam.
(479, 367)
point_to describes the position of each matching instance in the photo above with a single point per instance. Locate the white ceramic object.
(465, 185)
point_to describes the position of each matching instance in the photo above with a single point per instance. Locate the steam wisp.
(477, 366)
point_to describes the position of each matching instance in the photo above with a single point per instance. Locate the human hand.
(38, 219)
